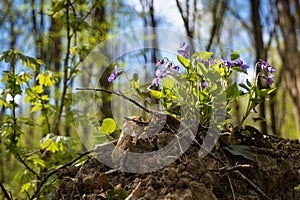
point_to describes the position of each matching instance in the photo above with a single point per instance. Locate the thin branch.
(135, 192)
(239, 18)
(118, 94)
(6, 195)
(231, 187)
(18, 157)
(255, 187)
(36, 192)
(218, 15)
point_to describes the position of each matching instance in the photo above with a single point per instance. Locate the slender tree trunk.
(290, 27)
(260, 53)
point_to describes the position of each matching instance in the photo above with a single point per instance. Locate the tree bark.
(289, 25)
(260, 53)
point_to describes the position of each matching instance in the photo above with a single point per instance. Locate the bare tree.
(288, 17)
(218, 12)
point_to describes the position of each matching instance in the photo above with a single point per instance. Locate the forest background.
(53, 38)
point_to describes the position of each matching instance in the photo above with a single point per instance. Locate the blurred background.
(62, 33)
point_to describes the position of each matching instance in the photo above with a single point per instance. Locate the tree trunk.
(260, 53)
(289, 24)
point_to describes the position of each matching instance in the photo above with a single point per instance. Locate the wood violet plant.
(204, 74)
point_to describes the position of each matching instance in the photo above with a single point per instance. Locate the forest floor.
(270, 171)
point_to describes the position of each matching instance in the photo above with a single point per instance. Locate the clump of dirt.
(273, 173)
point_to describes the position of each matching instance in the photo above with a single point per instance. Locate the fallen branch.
(231, 187)
(36, 192)
(135, 194)
(255, 187)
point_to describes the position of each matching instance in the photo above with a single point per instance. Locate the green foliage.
(207, 80)
(55, 143)
(19, 85)
(108, 126)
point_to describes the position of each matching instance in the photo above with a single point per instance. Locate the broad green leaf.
(234, 55)
(45, 97)
(232, 92)
(37, 161)
(240, 150)
(155, 94)
(36, 107)
(41, 77)
(185, 62)
(38, 89)
(202, 69)
(271, 90)
(191, 76)
(238, 69)
(25, 187)
(108, 126)
(204, 55)
(168, 83)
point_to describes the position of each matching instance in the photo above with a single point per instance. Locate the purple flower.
(181, 44)
(176, 67)
(266, 66)
(168, 64)
(159, 62)
(155, 82)
(270, 80)
(212, 61)
(114, 74)
(254, 110)
(226, 63)
(186, 52)
(161, 73)
(241, 64)
(204, 84)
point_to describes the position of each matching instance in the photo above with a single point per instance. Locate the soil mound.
(248, 167)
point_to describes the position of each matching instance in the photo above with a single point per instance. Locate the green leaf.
(238, 69)
(240, 150)
(155, 94)
(271, 90)
(38, 89)
(135, 81)
(202, 68)
(204, 55)
(168, 83)
(234, 55)
(36, 107)
(25, 187)
(191, 77)
(232, 92)
(185, 62)
(108, 126)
